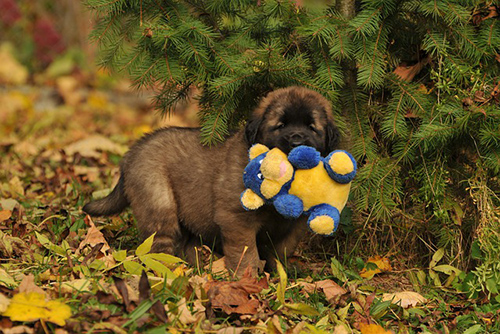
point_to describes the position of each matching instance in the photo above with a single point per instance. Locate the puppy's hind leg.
(156, 211)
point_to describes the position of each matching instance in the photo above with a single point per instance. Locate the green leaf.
(120, 255)
(338, 270)
(492, 285)
(474, 329)
(145, 247)
(280, 290)
(447, 269)
(49, 245)
(132, 267)
(139, 311)
(166, 258)
(301, 308)
(436, 257)
(156, 266)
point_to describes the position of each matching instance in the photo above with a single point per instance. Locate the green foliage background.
(428, 147)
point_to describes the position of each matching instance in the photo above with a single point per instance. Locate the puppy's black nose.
(296, 139)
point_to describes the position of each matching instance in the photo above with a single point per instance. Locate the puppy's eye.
(313, 127)
(260, 176)
(279, 126)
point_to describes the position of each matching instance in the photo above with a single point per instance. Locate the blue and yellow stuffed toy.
(301, 183)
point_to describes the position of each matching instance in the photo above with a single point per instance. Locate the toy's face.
(252, 175)
(268, 172)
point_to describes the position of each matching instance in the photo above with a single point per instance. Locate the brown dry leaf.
(16, 187)
(231, 330)
(373, 329)
(340, 329)
(331, 289)
(22, 329)
(198, 284)
(93, 237)
(186, 315)
(383, 264)
(4, 303)
(407, 73)
(405, 298)
(91, 146)
(218, 267)
(9, 204)
(5, 214)
(28, 285)
(236, 297)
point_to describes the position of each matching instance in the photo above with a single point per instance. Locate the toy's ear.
(257, 150)
(250, 200)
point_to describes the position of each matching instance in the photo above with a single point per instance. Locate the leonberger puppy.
(190, 194)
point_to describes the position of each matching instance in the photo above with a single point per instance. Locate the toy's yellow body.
(314, 186)
(300, 182)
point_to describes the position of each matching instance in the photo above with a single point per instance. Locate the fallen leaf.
(5, 214)
(405, 299)
(231, 330)
(186, 315)
(91, 146)
(77, 285)
(373, 329)
(18, 330)
(331, 289)
(32, 306)
(28, 285)
(236, 296)
(16, 187)
(4, 303)
(382, 263)
(9, 203)
(11, 71)
(340, 329)
(92, 238)
(218, 267)
(407, 73)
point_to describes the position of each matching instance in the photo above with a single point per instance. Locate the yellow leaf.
(33, 306)
(383, 264)
(373, 329)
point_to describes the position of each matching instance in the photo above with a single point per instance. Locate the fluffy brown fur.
(190, 194)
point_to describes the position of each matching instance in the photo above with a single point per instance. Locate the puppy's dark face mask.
(292, 120)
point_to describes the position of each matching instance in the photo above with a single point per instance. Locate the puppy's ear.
(332, 137)
(252, 130)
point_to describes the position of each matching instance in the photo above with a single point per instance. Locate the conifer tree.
(422, 117)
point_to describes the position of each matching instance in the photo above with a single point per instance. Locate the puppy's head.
(293, 116)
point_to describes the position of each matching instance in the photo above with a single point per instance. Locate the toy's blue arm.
(304, 157)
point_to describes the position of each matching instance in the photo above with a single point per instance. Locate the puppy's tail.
(110, 205)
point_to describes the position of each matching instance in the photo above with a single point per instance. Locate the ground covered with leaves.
(61, 140)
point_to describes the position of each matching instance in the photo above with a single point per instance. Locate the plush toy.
(302, 182)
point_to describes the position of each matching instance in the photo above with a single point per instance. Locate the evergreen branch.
(405, 91)
(375, 53)
(150, 68)
(217, 87)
